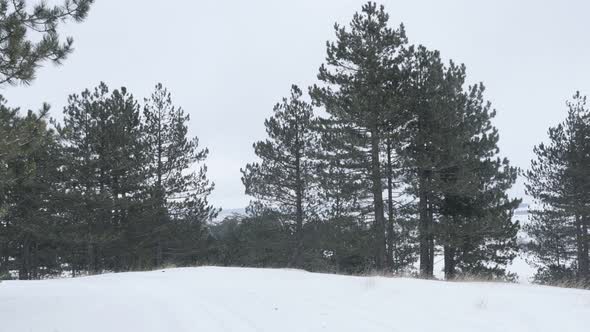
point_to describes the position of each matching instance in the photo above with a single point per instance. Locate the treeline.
(389, 163)
(403, 167)
(116, 186)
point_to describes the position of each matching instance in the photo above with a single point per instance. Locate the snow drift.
(215, 299)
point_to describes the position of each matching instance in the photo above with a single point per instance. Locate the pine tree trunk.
(424, 227)
(583, 264)
(161, 199)
(34, 262)
(389, 208)
(299, 235)
(24, 271)
(579, 245)
(4, 258)
(159, 251)
(90, 258)
(73, 266)
(377, 189)
(430, 235)
(450, 272)
(298, 257)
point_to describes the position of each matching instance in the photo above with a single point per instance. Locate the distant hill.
(523, 209)
(228, 212)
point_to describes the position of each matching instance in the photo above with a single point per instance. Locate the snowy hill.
(215, 299)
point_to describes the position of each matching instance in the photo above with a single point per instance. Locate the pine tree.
(177, 193)
(28, 36)
(559, 181)
(357, 95)
(422, 138)
(452, 168)
(399, 249)
(28, 225)
(553, 246)
(105, 161)
(477, 231)
(283, 178)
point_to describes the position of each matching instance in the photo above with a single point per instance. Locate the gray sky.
(228, 62)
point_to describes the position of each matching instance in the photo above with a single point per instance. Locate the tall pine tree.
(359, 72)
(559, 182)
(177, 191)
(29, 227)
(105, 160)
(283, 179)
(476, 228)
(451, 166)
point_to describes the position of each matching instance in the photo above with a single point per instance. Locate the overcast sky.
(228, 62)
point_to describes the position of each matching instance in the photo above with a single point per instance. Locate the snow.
(215, 299)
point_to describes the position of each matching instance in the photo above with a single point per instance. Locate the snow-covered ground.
(215, 299)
